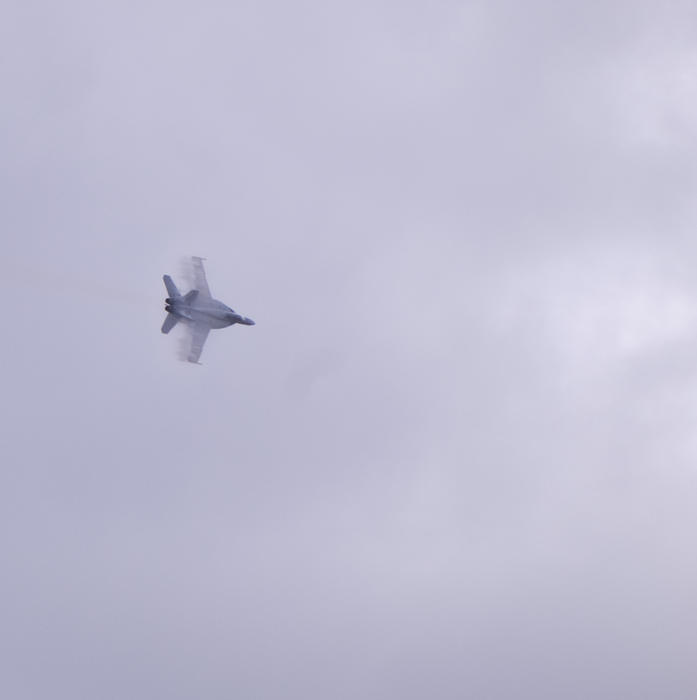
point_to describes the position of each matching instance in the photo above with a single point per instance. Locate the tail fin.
(169, 323)
(172, 290)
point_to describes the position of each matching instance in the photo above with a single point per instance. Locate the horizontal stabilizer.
(169, 323)
(172, 290)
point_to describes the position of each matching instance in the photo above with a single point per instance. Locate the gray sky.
(456, 455)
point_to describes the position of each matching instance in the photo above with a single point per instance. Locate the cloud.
(455, 455)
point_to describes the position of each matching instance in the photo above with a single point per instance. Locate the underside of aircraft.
(197, 311)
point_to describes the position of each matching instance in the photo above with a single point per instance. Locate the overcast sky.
(456, 457)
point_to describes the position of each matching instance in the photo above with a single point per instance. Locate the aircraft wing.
(199, 333)
(199, 275)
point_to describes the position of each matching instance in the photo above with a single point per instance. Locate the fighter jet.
(197, 310)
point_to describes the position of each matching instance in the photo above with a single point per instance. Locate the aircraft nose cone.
(250, 322)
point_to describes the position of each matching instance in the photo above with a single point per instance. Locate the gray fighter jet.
(197, 310)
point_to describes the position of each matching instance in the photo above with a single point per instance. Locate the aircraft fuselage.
(210, 312)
